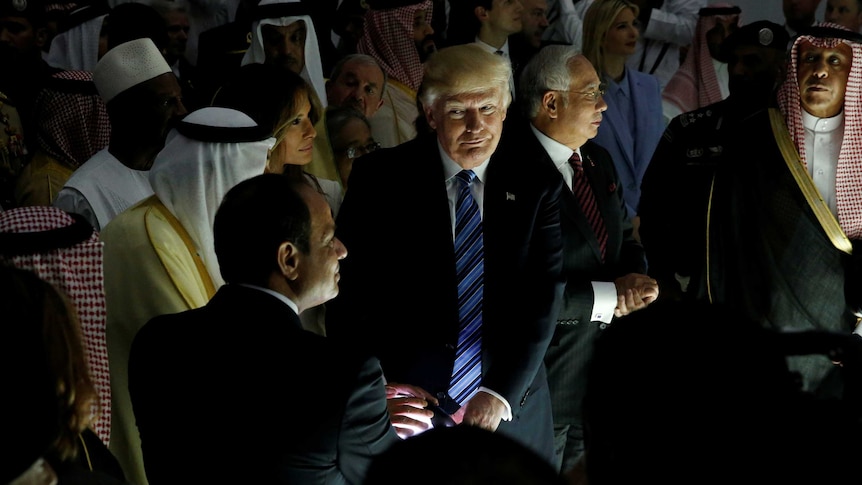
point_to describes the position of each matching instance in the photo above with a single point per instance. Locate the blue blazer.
(631, 155)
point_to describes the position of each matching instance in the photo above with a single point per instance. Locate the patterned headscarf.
(848, 181)
(208, 153)
(268, 11)
(695, 84)
(72, 120)
(388, 37)
(67, 253)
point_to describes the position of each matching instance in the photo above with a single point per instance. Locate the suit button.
(603, 326)
(575, 322)
(441, 395)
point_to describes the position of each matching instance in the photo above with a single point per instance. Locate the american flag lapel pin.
(510, 196)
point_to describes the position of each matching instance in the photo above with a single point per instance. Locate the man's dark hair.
(463, 23)
(254, 219)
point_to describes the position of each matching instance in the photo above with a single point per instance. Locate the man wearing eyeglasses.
(603, 263)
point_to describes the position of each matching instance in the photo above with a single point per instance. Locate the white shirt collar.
(287, 301)
(822, 125)
(492, 49)
(451, 168)
(558, 152)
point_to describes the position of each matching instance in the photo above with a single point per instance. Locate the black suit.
(237, 392)
(399, 289)
(571, 348)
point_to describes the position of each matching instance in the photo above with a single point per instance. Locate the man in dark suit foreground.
(237, 391)
(404, 296)
(603, 263)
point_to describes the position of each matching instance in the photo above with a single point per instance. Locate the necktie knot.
(575, 161)
(466, 176)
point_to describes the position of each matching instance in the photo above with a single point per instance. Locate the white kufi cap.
(127, 65)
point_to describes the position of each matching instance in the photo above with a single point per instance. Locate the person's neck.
(132, 155)
(491, 37)
(615, 67)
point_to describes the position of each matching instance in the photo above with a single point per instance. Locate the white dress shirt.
(477, 188)
(822, 145)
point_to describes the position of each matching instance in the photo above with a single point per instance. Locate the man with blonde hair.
(480, 232)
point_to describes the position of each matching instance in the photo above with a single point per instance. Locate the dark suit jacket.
(571, 349)
(399, 290)
(237, 392)
(768, 256)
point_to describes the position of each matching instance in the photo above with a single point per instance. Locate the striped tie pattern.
(587, 200)
(470, 268)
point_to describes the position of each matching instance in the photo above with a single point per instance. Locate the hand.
(406, 405)
(483, 410)
(634, 292)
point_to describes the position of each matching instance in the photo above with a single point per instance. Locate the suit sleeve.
(532, 299)
(365, 429)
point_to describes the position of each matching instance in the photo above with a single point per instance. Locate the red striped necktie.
(587, 200)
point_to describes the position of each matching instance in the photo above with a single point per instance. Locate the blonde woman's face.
(622, 36)
(295, 139)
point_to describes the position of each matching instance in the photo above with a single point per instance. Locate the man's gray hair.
(548, 70)
(363, 60)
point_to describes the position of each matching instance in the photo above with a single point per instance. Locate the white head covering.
(77, 48)
(127, 65)
(312, 72)
(208, 153)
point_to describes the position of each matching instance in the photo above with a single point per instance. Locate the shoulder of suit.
(708, 115)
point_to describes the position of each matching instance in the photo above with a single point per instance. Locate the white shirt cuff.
(508, 416)
(604, 301)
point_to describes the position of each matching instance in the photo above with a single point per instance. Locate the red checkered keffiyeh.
(388, 37)
(71, 117)
(76, 271)
(695, 84)
(848, 181)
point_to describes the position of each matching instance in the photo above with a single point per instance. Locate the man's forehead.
(482, 97)
(359, 69)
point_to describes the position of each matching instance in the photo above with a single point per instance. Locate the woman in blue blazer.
(632, 125)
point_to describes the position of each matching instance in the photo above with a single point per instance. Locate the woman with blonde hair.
(633, 124)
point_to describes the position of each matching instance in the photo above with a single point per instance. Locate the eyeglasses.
(356, 152)
(592, 95)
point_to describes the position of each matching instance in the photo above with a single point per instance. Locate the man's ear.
(429, 116)
(379, 104)
(288, 260)
(550, 102)
(481, 13)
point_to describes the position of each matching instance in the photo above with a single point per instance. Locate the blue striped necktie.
(470, 268)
